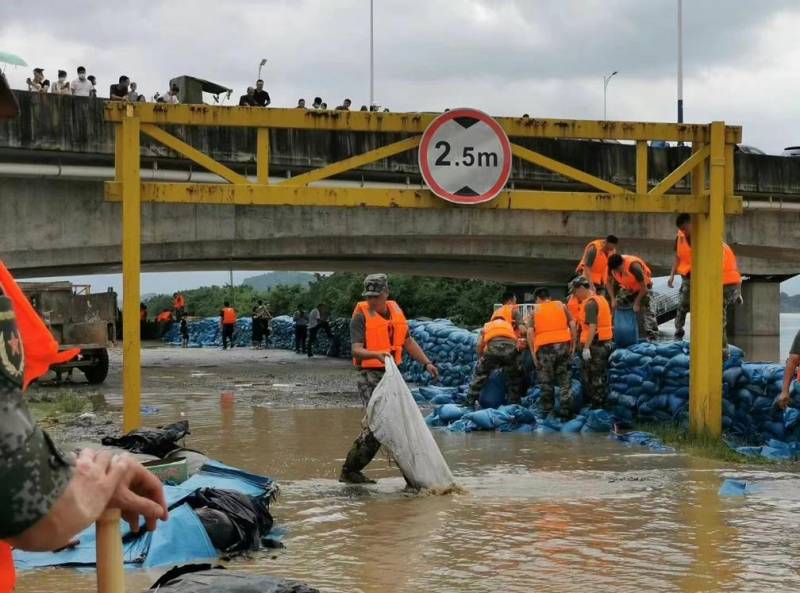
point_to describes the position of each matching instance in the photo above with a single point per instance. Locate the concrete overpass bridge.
(55, 157)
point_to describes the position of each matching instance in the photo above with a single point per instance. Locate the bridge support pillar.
(754, 326)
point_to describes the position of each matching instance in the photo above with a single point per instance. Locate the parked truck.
(77, 318)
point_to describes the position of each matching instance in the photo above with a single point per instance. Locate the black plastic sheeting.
(202, 578)
(234, 521)
(152, 441)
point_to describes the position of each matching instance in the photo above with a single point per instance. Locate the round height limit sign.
(465, 157)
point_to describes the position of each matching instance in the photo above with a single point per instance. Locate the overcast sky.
(543, 57)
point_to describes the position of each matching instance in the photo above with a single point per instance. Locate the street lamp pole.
(680, 61)
(371, 54)
(606, 80)
(260, 66)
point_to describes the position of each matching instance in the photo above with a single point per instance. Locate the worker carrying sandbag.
(497, 349)
(378, 329)
(731, 278)
(629, 286)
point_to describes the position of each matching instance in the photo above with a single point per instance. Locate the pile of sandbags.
(450, 347)
(207, 332)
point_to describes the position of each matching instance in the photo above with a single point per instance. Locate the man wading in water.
(378, 329)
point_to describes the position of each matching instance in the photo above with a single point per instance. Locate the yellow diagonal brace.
(190, 152)
(353, 162)
(682, 171)
(567, 171)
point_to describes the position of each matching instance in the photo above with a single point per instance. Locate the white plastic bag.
(394, 418)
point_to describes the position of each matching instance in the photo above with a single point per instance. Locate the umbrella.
(11, 59)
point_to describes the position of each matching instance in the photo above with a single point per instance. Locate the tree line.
(466, 302)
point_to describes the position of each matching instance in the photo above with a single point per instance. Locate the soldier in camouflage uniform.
(46, 497)
(551, 336)
(629, 286)
(497, 349)
(376, 330)
(595, 335)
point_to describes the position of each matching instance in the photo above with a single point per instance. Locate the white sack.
(394, 418)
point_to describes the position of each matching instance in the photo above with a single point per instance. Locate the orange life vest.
(550, 324)
(228, 316)
(574, 306)
(143, 314)
(8, 578)
(498, 328)
(730, 270)
(626, 279)
(507, 312)
(179, 302)
(683, 251)
(599, 269)
(382, 334)
(605, 326)
(164, 316)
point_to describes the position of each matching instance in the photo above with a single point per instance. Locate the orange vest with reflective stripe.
(626, 279)
(599, 269)
(228, 316)
(605, 326)
(574, 307)
(498, 328)
(383, 334)
(8, 578)
(683, 251)
(730, 270)
(506, 312)
(550, 324)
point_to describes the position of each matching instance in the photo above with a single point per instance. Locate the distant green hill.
(270, 280)
(790, 304)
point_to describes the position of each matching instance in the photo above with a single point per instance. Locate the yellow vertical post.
(706, 348)
(118, 153)
(262, 155)
(131, 267)
(641, 167)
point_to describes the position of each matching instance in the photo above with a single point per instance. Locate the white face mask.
(82, 76)
(62, 78)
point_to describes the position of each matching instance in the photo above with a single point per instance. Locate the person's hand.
(671, 281)
(783, 400)
(636, 307)
(586, 354)
(572, 349)
(739, 300)
(431, 368)
(138, 494)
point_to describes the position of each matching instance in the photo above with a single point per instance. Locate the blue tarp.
(180, 539)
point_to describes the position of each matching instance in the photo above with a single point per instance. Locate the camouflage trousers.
(729, 296)
(499, 354)
(685, 296)
(594, 374)
(555, 368)
(366, 446)
(648, 325)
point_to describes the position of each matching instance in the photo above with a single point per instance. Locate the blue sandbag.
(626, 328)
(463, 425)
(442, 399)
(493, 394)
(574, 425)
(735, 488)
(520, 414)
(598, 421)
(488, 419)
(450, 413)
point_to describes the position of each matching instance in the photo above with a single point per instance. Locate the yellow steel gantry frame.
(712, 143)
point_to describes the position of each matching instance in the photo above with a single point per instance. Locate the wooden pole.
(110, 566)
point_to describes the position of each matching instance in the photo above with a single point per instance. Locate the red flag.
(38, 344)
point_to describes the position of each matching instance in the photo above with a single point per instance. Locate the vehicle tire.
(97, 373)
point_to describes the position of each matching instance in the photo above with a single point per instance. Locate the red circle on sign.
(505, 146)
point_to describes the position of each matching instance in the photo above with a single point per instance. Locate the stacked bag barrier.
(451, 348)
(207, 332)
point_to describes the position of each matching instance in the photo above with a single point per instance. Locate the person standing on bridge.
(551, 338)
(629, 286)
(260, 96)
(682, 267)
(594, 262)
(378, 329)
(227, 320)
(595, 335)
(731, 278)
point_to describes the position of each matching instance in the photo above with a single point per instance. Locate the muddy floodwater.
(553, 513)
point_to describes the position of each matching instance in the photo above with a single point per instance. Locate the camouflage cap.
(579, 282)
(375, 284)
